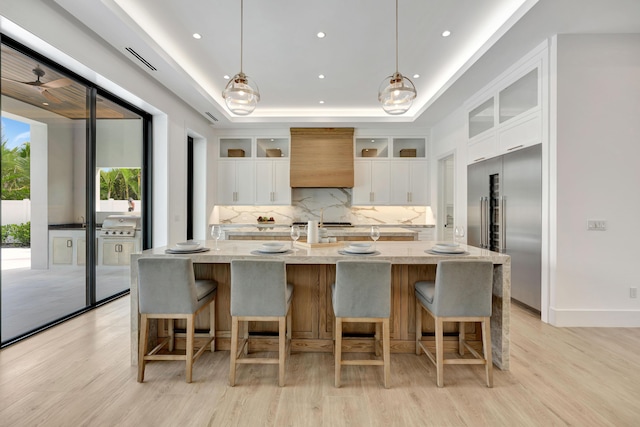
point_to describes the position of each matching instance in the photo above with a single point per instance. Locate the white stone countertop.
(268, 230)
(402, 252)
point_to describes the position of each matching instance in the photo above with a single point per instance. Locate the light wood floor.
(79, 373)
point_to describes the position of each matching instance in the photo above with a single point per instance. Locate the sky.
(16, 133)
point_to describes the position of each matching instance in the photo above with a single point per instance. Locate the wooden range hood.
(321, 157)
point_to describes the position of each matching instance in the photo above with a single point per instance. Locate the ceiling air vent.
(211, 116)
(140, 58)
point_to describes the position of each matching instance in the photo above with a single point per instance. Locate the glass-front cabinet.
(391, 171)
(507, 116)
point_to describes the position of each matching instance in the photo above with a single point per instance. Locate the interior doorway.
(446, 198)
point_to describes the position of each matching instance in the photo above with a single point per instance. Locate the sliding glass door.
(72, 157)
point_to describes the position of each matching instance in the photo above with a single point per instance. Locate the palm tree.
(16, 171)
(108, 178)
(132, 182)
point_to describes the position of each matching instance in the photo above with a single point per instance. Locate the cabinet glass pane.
(235, 147)
(481, 118)
(272, 147)
(372, 147)
(519, 97)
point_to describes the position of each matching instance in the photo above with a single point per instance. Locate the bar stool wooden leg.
(439, 352)
(234, 351)
(142, 345)
(486, 346)
(172, 334)
(282, 325)
(338, 351)
(386, 353)
(212, 324)
(377, 342)
(461, 338)
(190, 339)
(418, 327)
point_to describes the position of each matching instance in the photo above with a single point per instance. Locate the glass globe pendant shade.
(241, 95)
(396, 94)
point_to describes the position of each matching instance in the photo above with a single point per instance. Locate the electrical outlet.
(633, 292)
(596, 225)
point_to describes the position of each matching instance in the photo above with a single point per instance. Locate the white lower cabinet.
(272, 182)
(371, 182)
(117, 252)
(236, 182)
(62, 253)
(409, 182)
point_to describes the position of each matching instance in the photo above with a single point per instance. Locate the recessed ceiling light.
(226, 77)
(321, 76)
(197, 36)
(321, 35)
(416, 76)
(321, 102)
(446, 33)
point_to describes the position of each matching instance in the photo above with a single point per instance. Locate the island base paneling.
(312, 314)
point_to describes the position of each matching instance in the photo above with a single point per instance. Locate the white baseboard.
(594, 318)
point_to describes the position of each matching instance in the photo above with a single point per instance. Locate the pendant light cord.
(396, 37)
(242, 30)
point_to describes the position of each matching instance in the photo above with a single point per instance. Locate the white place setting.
(188, 247)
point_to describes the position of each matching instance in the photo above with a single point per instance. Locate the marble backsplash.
(334, 204)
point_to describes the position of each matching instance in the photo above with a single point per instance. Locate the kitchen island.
(312, 270)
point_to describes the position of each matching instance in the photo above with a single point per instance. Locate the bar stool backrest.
(258, 288)
(362, 289)
(463, 288)
(166, 286)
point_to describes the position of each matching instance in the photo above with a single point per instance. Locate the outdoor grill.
(120, 226)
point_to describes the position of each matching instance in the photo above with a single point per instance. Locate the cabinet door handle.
(69, 243)
(515, 147)
(478, 159)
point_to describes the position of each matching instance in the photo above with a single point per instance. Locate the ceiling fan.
(42, 87)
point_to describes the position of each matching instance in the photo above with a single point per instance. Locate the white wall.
(598, 149)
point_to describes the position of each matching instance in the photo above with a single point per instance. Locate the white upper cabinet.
(272, 182)
(236, 182)
(371, 182)
(509, 114)
(390, 171)
(409, 182)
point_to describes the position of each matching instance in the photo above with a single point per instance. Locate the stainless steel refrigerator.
(504, 214)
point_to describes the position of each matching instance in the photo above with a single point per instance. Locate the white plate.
(272, 251)
(447, 250)
(187, 246)
(186, 249)
(363, 248)
(272, 247)
(448, 244)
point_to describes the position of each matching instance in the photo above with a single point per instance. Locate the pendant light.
(241, 94)
(396, 92)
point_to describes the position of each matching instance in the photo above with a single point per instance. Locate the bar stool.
(259, 292)
(461, 293)
(362, 293)
(167, 289)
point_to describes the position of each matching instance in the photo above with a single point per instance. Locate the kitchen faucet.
(81, 218)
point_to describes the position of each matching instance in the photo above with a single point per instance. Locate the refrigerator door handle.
(503, 224)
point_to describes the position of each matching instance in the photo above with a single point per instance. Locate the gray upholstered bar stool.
(461, 293)
(362, 293)
(167, 289)
(259, 292)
